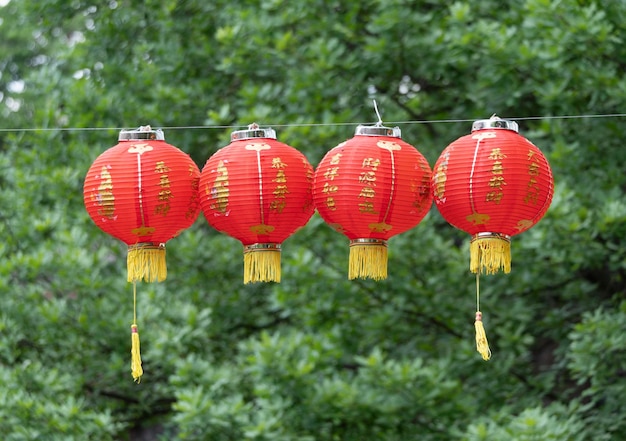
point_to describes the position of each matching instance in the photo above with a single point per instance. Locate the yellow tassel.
(368, 258)
(489, 253)
(482, 346)
(261, 263)
(135, 353)
(146, 261)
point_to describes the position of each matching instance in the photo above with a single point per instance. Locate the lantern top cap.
(495, 123)
(253, 131)
(378, 130)
(143, 132)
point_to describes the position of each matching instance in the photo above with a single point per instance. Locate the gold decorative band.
(147, 246)
(368, 241)
(486, 235)
(261, 247)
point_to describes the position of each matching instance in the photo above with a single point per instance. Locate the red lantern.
(144, 192)
(370, 188)
(258, 191)
(493, 184)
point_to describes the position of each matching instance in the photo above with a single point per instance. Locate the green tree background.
(316, 357)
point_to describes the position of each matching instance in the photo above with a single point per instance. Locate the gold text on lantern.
(280, 191)
(165, 194)
(532, 188)
(368, 179)
(105, 197)
(372, 163)
(219, 192)
(160, 167)
(330, 174)
(497, 181)
(496, 154)
(194, 202)
(420, 189)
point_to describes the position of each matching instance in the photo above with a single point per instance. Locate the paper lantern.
(258, 191)
(493, 184)
(370, 188)
(144, 192)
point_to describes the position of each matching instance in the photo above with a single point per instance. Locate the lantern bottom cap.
(146, 261)
(490, 253)
(261, 263)
(368, 259)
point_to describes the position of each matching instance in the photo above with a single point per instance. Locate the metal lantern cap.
(378, 130)
(495, 123)
(253, 131)
(143, 132)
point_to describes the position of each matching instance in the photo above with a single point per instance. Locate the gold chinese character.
(162, 209)
(366, 207)
(165, 195)
(368, 178)
(331, 173)
(277, 163)
(330, 203)
(530, 154)
(367, 192)
(494, 196)
(278, 205)
(160, 167)
(164, 181)
(531, 197)
(497, 168)
(334, 160)
(497, 182)
(329, 188)
(533, 169)
(280, 191)
(372, 163)
(497, 154)
(280, 177)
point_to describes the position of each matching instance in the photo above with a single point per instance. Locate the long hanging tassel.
(482, 346)
(135, 352)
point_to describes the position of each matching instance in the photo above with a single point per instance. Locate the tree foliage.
(316, 357)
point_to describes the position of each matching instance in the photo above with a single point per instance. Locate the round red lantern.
(144, 192)
(492, 184)
(370, 188)
(258, 191)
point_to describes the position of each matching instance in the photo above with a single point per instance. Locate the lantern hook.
(380, 120)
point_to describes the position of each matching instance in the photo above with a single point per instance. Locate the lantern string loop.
(482, 346)
(380, 120)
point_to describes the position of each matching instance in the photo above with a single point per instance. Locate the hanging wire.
(221, 127)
